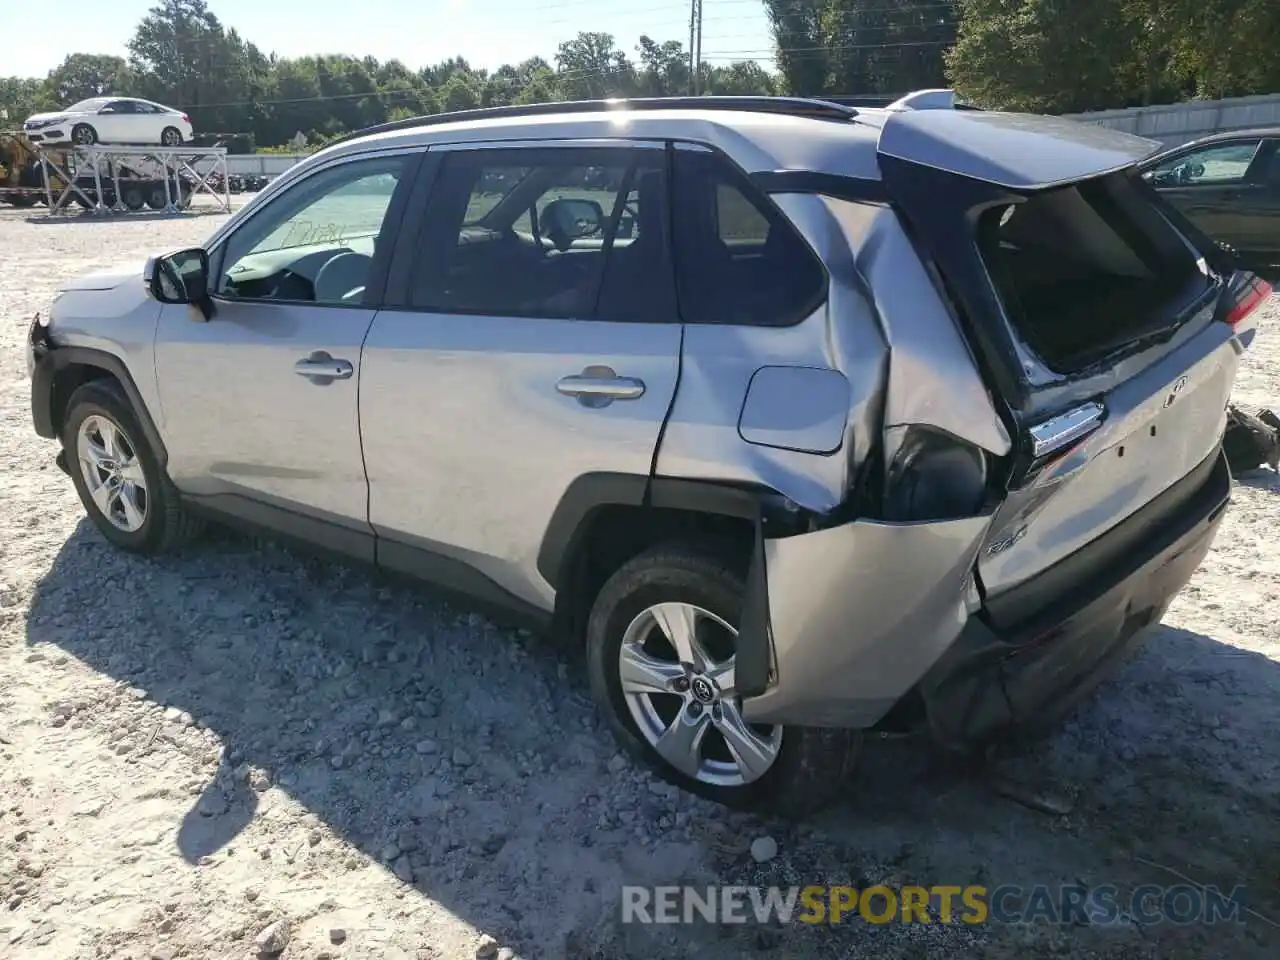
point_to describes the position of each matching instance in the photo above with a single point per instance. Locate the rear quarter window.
(739, 260)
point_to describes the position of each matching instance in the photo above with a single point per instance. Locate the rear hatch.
(1098, 320)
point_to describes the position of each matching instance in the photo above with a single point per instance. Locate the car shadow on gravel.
(469, 761)
(1261, 478)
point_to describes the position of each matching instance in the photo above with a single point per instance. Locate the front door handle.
(322, 368)
(599, 386)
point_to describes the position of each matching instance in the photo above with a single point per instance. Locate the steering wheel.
(342, 279)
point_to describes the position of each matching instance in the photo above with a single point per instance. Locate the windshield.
(84, 106)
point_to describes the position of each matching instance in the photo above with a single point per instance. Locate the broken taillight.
(1250, 297)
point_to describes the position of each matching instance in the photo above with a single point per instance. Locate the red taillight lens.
(1251, 298)
(185, 118)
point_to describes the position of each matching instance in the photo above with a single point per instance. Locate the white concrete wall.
(262, 164)
(1177, 123)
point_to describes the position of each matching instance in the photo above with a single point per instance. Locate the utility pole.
(695, 45)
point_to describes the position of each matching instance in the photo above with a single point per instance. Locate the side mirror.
(181, 277)
(567, 219)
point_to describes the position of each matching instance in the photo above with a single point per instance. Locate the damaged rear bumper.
(841, 624)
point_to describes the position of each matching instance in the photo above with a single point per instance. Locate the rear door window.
(560, 232)
(739, 260)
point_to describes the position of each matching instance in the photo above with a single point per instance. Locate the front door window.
(315, 243)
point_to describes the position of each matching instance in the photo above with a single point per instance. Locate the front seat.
(634, 287)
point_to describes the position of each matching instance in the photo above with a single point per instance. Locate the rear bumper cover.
(861, 615)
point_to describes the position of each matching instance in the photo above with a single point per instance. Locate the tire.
(132, 197)
(171, 137)
(84, 135)
(164, 524)
(156, 198)
(810, 766)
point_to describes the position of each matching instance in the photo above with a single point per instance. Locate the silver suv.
(807, 419)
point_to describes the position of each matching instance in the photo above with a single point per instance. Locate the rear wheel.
(662, 638)
(171, 137)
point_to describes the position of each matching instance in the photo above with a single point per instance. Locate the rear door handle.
(600, 386)
(322, 368)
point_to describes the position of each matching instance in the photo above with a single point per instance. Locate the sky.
(488, 33)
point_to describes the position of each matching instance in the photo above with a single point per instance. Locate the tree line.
(1039, 55)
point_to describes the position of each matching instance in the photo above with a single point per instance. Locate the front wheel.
(662, 639)
(83, 135)
(121, 484)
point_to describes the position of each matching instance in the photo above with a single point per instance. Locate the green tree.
(1032, 55)
(801, 35)
(664, 68)
(592, 67)
(459, 94)
(20, 97)
(741, 79)
(84, 75)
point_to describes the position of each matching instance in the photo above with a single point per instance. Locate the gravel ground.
(240, 747)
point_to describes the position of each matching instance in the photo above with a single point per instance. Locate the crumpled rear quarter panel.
(859, 612)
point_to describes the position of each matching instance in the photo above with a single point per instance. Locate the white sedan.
(111, 120)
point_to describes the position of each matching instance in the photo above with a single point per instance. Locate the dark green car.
(1228, 184)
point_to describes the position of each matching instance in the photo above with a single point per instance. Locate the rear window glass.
(1085, 269)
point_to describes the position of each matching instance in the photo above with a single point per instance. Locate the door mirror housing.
(568, 219)
(181, 277)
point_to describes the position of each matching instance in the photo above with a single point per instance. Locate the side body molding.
(850, 634)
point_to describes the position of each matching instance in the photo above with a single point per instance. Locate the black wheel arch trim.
(591, 492)
(52, 360)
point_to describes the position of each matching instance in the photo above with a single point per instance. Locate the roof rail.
(787, 106)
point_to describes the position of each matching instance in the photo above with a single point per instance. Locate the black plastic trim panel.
(571, 519)
(592, 491)
(347, 539)
(327, 534)
(753, 660)
(53, 360)
(457, 579)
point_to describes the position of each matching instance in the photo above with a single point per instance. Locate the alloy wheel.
(112, 473)
(676, 665)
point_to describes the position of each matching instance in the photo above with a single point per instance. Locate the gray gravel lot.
(241, 747)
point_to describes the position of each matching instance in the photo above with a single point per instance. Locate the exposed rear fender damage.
(842, 657)
(933, 377)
